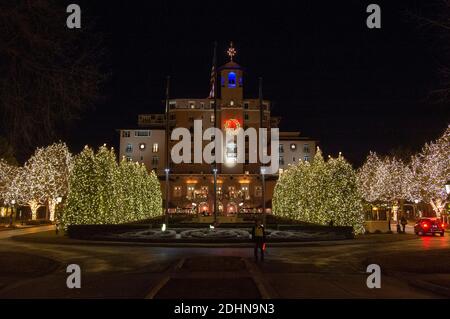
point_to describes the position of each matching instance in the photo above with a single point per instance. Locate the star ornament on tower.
(231, 51)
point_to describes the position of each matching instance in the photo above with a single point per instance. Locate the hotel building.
(191, 185)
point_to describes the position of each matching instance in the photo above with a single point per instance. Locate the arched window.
(231, 80)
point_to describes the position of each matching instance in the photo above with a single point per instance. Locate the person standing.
(404, 222)
(259, 238)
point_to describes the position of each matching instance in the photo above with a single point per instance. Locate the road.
(319, 271)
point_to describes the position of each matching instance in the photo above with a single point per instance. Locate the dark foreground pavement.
(318, 271)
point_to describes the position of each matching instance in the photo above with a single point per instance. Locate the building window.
(245, 192)
(240, 81)
(211, 118)
(280, 148)
(246, 116)
(191, 105)
(155, 161)
(231, 192)
(142, 146)
(142, 133)
(155, 148)
(293, 146)
(177, 191)
(142, 158)
(128, 158)
(231, 80)
(125, 133)
(258, 191)
(306, 148)
(172, 105)
(246, 105)
(306, 158)
(173, 117)
(281, 160)
(204, 191)
(129, 148)
(190, 192)
(231, 103)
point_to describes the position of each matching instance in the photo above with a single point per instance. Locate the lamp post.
(416, 201)
(166, 215)
(58, 202)
(263, 173)
(13, 203)
(447, 190)
(215, 195)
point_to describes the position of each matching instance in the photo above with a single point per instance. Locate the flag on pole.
(212, 92)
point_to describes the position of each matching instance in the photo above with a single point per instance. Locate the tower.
(231, 105)
(231, 81)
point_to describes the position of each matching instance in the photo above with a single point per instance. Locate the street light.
(13, 202)
(166, 215)
(263, 173)
(215, 195)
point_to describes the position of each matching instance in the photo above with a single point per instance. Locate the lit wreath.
(232, 126)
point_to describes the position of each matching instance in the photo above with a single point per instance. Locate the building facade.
(191, 185)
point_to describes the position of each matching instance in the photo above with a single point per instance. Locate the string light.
(320, 192)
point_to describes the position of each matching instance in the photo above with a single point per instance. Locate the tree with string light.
(431, 171)
(320, 192)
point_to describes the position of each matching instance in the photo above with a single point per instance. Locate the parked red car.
(431, 226)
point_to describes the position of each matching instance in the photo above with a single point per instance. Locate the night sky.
(328, 75)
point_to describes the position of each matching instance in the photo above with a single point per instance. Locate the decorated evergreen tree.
(320, 192)
(82, 201)
(102, 192)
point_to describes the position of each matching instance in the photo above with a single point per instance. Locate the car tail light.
(425, 225)
(443, 225)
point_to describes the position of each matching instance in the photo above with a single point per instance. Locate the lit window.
(306, 158)
(125, 133)
(142, 146)
(190, 192)
(258, 191)
(231, 80)
(155, 148)
(192, 105)
(231, 103)
(142, 133)
(212, 118)
(129, 148)
(293, 146)
(177, 191)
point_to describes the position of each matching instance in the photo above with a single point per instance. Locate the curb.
(440, 290)
(322, 243)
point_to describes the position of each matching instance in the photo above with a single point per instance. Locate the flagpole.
(167, 169)
(215, 126)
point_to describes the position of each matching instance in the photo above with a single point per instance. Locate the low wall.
(373, 226)
(89, 232)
